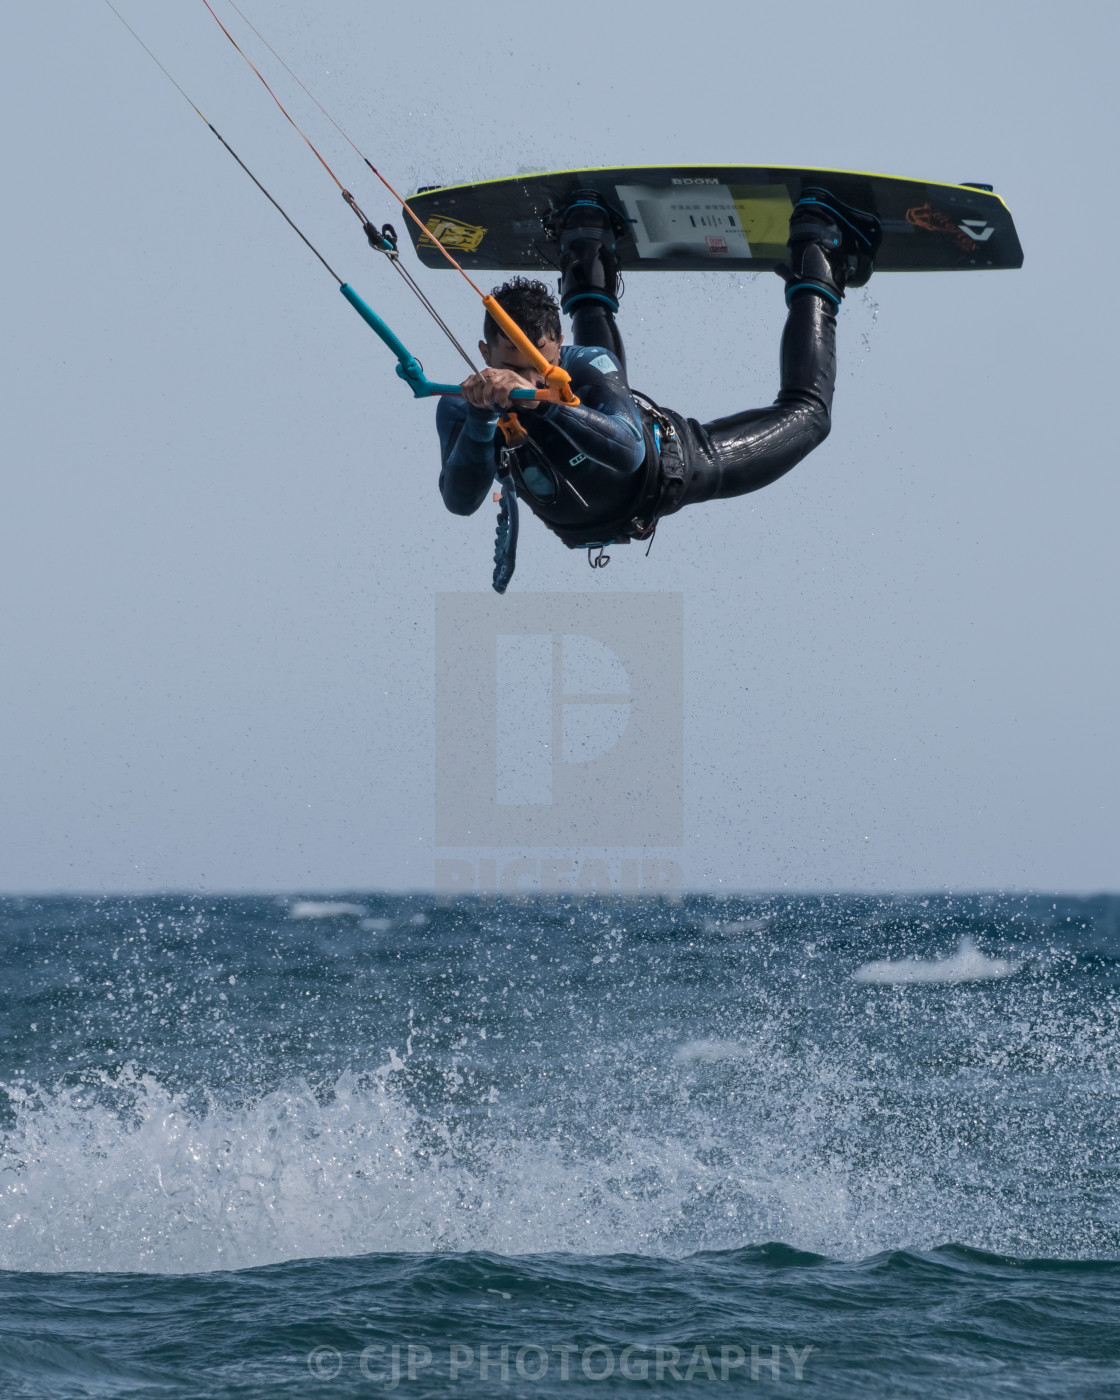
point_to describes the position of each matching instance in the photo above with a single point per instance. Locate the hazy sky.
(222, 533)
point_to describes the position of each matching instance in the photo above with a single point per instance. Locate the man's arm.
(466, 442)
(606, 425)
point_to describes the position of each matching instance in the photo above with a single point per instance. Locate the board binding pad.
(700, 218)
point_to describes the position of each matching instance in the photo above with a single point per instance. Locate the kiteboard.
(697, 218)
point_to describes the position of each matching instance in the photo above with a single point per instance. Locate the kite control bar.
(383, 240)
(558, 380)
(411, 370)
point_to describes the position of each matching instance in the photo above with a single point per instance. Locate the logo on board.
(452, 233)
(968, 232)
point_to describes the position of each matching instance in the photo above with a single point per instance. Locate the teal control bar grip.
(408, 366)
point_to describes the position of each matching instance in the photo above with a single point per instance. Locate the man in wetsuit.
(609, 469)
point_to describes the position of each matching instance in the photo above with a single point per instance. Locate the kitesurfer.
(609, 469)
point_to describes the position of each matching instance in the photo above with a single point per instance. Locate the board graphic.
(704, 217)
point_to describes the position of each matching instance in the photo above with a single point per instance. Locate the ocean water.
(364, 1145)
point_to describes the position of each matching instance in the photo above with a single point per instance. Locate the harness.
(663, 459)
(662, 469)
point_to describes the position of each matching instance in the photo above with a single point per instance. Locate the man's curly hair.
(531, 305)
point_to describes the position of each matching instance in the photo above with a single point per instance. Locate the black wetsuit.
(606, 469)
(580, 465)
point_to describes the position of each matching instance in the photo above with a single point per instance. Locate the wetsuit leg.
(741, 453)
(593, 323)
(586, 233)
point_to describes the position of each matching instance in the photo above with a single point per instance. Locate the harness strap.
(505, 537)
(664, 464)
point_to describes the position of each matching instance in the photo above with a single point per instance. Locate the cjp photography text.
(390, 1366)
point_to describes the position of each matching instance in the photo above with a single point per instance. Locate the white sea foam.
(148, 1183)
(967, 964)
(325, 909)
(729, 1143)
(127, 1175)
(709, 1051)
(732, 928)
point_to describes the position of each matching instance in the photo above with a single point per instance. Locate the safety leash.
(505, 537)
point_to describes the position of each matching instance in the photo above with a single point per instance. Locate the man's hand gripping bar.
(559, 381)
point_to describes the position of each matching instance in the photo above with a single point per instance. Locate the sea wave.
(967, 964)
(326, 909)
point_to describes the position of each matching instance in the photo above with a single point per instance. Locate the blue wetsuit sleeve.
(466, 444)
(606, 424)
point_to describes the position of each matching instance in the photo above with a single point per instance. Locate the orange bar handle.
(559, 381)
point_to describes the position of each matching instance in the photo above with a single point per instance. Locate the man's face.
(503, 354)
